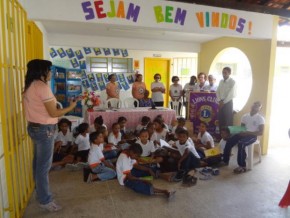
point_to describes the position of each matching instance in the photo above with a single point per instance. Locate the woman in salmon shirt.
(112, 88)
(42, 115)
(138, 88)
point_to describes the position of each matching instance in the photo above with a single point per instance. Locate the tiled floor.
(254, 194)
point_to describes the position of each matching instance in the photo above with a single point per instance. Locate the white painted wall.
(126, 43)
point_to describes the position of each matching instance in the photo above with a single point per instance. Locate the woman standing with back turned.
(42, 116)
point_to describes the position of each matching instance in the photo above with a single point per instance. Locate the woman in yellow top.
(42, 115)
(112, 88)
(138, 88)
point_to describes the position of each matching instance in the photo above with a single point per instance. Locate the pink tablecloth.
(133, 116)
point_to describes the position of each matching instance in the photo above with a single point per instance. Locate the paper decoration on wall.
(125, 85)
(130, 79)
(105, 76)
(87, 50)
(84, 75)
(136, 64)
(70, 53)
(79, 54)
(99, 77)
(85, 84)
(61, 52)
(124, 52)
(116, 51)
(97, 51)
(107, 51)
(74, 63)
(121, 78)
(102, 86)
(94, 86)
(83, 64)
(52, 53)
(91, 77)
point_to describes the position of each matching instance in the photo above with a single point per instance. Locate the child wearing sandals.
(99, 168)
(130, 174)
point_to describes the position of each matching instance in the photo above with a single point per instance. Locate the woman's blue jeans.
(42, 137)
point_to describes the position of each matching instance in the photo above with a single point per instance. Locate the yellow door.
(161, 66)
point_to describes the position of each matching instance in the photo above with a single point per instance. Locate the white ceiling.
(93, 29)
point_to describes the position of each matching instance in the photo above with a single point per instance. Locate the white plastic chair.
(131, 102)
(113, 103)
(175, 106)
(251, 150)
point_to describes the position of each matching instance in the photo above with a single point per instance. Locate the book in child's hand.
(212, 151)
(148, 178)
(145, 160)
(236, 129)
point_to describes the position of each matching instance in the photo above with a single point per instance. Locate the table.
(133, 116)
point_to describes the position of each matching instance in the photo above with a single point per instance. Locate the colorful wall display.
(76, 58)
(157, 14)
(203, 107)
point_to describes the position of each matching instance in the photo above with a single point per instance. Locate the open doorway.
(280, 116)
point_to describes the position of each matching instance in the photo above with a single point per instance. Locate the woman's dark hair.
(64, 120)
(99, 120)
(136, 148)
(137, 76)
(94, 136)
(174, 78)
(157, 74)
(36, 70)
(121, 119)
(83, 127)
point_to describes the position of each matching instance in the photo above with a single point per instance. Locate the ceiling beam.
(240, 6)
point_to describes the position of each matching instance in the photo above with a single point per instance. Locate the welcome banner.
(203, 107)
(162, 15)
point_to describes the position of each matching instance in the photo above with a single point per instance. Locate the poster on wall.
(116, 51)
(99, 77)
(107, 51)
(52, 53)
(87, 50)
(102, 86)
(130, 79)
(61, 52)
(74, 62)
(124, 53)
(85, 84)
(91, 77)
(97, 51)
(203, 107)
(79, 54)
(70, 53)
(83, 64)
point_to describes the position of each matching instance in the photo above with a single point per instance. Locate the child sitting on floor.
(144, 122)
(189, 158)
(100, 168)
(122, 122)
(98, 123)
(160, 130)
(82, 145)
(64, 138)
(204, 140)
(130, 174)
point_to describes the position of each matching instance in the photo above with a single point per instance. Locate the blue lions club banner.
(203, 107)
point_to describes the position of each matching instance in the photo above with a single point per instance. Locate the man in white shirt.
(254, 124)
(226, 91)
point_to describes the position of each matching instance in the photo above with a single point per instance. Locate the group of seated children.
(133, 157)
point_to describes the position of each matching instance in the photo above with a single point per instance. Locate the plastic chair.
(251, 150)
(175, 106)
(113, 103)
(131, 102)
